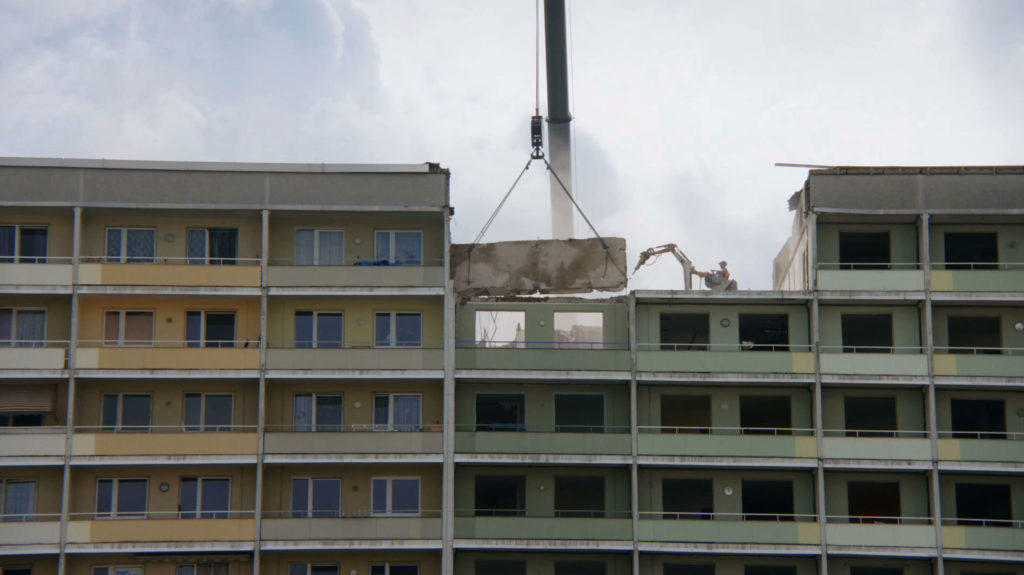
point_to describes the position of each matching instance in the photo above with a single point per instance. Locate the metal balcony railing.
(977, 265)
(183, 428)
(1012, 435)
(169, 260)
(352, 427)
(717, 430)
(547, 514)
(889, 349)
(197, 514)
(540, 344)
(350, 514)
(983, 522)
(868, 265)
(739, 346)
(47, 259)
(523, 428)
(409, 262)
(877, 433)
(718, 516)
(332, 344)
(1018, 351)
(172, 343)
(879, 519)
(23, 517)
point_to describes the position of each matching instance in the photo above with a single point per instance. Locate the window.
(579, 412)
(983, 504)
(395, 412)
(126, 412)
(22, 327)
(19, 500)
(128, 328)
(203, 569)
(579, 330)
(687, 498)
(971, 250)
(500, 412)
(316, 497)
(116, 570)
(500, 496)
(684, 331)
(864, 250)
(319, 247)
(130, 245)
(975, 334)
(499, 567)
(866, 333)
(396, 496)
(317, 412)
(978, 418)
(769, 570)
(398, 329)
(16, 570)
(688, 569)
(212, 246)
(579, 496)
(770, 500)
(580, 567)
(312, 569)
(9, 419)
(765, 415)
(686, 414)
(500, 328)
(23, 244)
(394, 569)
(318, 329)
(872, 570)
(873, 501)
(121, 498)
(208, 411)
(205, 498)
(210, 329)
(870, 416)
(399, 248)
(764, 331)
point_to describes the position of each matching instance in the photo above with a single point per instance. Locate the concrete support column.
(69, 415)
(634, 486)
(928, 341)
(261, 412)
(448, 430)
(819, 429)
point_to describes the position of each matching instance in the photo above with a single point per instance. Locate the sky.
(681, 108)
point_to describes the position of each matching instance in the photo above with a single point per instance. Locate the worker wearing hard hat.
(718, 280)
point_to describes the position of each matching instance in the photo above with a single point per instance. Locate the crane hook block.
(537, 136)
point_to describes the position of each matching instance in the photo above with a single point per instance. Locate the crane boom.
(559, 118)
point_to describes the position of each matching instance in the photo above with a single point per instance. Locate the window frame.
(120, 425)
(13, 340)
(5, 514)
(16, 257)
(202, 342)
(393, 330)
(207, 259)
(199, 512)
(212, 567)
(310, 512)
(308, 567)
(314, 424)
(113, 569)
(313, 342)
(604, 411)
(390, 425)
(392, 245)
(389, 495)
(315, 256)
(115, 491)
(203, 426)
(122, 258)
(121, 320)
(388, 565)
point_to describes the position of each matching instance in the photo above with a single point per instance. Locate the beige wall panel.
(168, 399)
(83, 485)
(357, 228)
(355, 484)
(280, 400)
(95, 224)
(169, 315)
(281, 318)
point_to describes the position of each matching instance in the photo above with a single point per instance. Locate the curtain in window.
(31, 328)
(409, 248)
(223, 247)
(7, 235)
(407, 412)
(302, 416)
(6, 327)
(19, 500)
(383, 251)
(196, 246)
(113, 245)
(304, 247)
(141, 246)
(138, 328)
(332, 248)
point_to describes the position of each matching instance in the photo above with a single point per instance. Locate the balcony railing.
(540, 344)
(551, 513)
(363, 344)
(876, 433)
(411, 262)
(1012, 435)
(550, 428)
(868, 265)
(193, 261)
(173, 344)
(778, 431)
(23, 517)
(879, 349)
(977, 265)
(725, 347)
(719, 516)
(183, 428)
(982, 522)
(352, 427)
(136, 515)
(879, 519)
(349, 514)
(1018, 351)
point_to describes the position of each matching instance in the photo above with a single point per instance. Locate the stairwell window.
(396, 496)
(130, 245)
(317, 412)
(316, 497)
(398, 329)
(213, 246)
(402, 248)
(19, 500)
(126, 412)
(319, 329)
(121, 498)
(208, 411)
(204, 498)
(124, 328)
(23, 244)
(22, 327)
(315, 247)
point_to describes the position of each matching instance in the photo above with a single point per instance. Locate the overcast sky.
(681, 108)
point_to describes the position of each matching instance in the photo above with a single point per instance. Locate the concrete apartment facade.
(263, 368)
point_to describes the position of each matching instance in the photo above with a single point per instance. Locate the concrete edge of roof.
(305, 168)
(916, 170)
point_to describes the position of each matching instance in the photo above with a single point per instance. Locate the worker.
(718, 280)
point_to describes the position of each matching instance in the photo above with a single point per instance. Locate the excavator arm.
(688, 269)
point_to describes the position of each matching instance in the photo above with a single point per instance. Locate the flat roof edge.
(306, 168)
(917, 170)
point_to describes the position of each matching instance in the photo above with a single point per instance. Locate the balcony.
(979, 361)
(511, 524)
(166, 354)
(234, 441)
(542, 355)
(55, 273)
(999, 447)
(726, 441)
(282, 526)
(983, 534)
(162, 527)
(242, 272)
(877, 445)
(893, 277)
(50, 355)
(606, 440)
(357, 356)
(724, 358)
(984, 277)
(361, 275)
(283, 440)
(735, 528)
(858, 531)
(39, 533)
(31, 444)
(867, 360)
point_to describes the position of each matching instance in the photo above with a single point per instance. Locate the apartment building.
(234, 368)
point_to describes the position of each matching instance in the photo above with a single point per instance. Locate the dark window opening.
(500, 567)
(500, 496)
(983, 504)
(500, 412)
(971, 250)
(769, 570)
(764, 332)
(580, 568)
(975, 335)
(765, 415)
(579, 496)
(688, 569)
(978, 418)
(687, 498)
(579, 412)
(864, 250)
(867, 333)
(770, 500)
(855, 570)
(685, 331)
(22, 419)
(873, 501)
(686, 414)
(870, 416)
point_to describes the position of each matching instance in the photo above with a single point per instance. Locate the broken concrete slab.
(539, 267)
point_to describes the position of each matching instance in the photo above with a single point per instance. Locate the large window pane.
(383, 247)
(328, 413)
(409, 248)
(104, 496)
(109, 412)
(135, 412)
(196, 245)
(579, 412)
(405, 496)
(500, 412)
(193, 411)
(19, 500)
(131, 497)
(194, 328)
(304, 247)
(407, 413)
(220, 330)
(326, 498)
(381, 411)
(6, 327)
(303, 329)
(380, 495)
(329, 330)
(216, 498)
(33, 245)
(113, 245)
(218, 412)
(188, 499)
(141, 246)
(7, 241)
(382, 330)
(223, 246)
(408, 330)
(300, 497)
(331, 248)
(31, 328)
